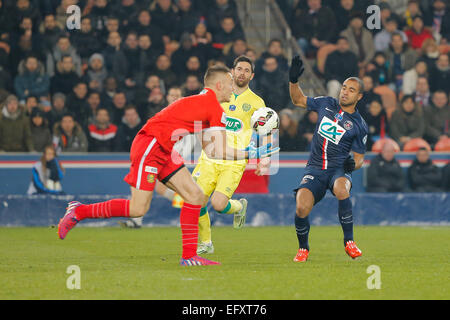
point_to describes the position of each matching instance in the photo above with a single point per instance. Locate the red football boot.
(352, 250)
(302, 255)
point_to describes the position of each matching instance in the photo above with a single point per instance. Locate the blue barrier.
(263, 209)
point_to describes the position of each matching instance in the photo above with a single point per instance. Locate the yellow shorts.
(224, 178)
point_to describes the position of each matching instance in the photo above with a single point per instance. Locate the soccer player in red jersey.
(153, 158)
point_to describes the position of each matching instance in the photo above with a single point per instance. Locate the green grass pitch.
(256, 264)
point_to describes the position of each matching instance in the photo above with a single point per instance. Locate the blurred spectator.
(125, 10)
(63, 48)
(180, 56)
(238, 48)
(173, 94)
(218, 10)
(440, 74)
(50, 31)
(143, 95)
(411, 76)
(99, 14)
(164, 15)
(387, 13)
(32, 79)
(422, 95)
(25, 8)
(96, 73)
(85, 40)
(343, 12)
(30, 104)
(76, 103)
(164, 71)
(378, 70)
(384, 173)
(192, 86)
(65, 77)
(412, 10)
(146, 59)
(437, 118)
(132, 54)
(144, 25)
(400, 58)
(128, 129)
(384, 37)
(102, 133)
(68, 136)
(118, 107)
(376, 120)
(115, 59)
(93, 101)
(368, 96)
(188, 17)
(430, 53)
(15, 133)
(58, 109)
(272, 85)
(407, 122)
(274, 49)
(446, 178)
(40, 131)
(109, 90)
(360, 40)
(313, 27)
(308, 128)
(47, 174)
(438, 19)
(228, 32)
(156, 102)
(423, 175)
(202, 40)
(340, 65)
(290, 140)
(112, 25)
(417, 34)
(193, 67)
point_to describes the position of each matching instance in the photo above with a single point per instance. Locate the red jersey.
(186, 115)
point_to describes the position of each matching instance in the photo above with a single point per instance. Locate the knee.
(302, 210)
(138, 211)
(195, 198)
(341, 193)
(218, 205)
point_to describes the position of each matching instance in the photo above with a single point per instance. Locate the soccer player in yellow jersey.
(219, 178)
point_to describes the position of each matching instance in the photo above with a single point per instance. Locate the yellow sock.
(233, 206)
(204, 227)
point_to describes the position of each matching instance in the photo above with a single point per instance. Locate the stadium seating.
(378, 145)
(388, 98)
(415, 144)
(322, 55)
(443, 145)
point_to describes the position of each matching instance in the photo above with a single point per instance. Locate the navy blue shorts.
(318, 181)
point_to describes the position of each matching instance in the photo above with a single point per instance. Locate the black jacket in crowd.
(385, 176)
(424, 177)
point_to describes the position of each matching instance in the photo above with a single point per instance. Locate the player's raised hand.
(261, 152)
(296, 69)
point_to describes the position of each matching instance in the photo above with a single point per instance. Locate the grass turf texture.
(256, 264)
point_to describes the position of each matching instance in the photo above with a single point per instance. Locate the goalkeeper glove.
(261, 152)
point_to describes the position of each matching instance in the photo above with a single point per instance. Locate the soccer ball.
(264, 120)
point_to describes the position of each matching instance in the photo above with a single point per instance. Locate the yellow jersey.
(239, 112)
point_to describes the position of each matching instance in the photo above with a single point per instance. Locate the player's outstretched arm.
(295, 71)
(214, 144)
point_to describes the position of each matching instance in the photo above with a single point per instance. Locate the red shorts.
(149, 161)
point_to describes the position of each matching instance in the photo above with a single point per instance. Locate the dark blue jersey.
(336, 134)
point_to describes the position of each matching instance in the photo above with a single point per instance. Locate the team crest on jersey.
(331, 130)
(305, 179)
(338, 117)
(150, 178)
(348, 125)
(246, 107)
(232, 107)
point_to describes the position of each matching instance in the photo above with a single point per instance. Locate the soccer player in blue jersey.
(340, 130)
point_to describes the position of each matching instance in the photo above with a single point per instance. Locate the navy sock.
(302, 228)
(346, 218)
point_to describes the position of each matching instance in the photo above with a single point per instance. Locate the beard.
(242, 83)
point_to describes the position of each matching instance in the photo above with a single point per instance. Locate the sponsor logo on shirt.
(331, 130)
(233, 124)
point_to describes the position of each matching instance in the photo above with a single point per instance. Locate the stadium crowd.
(92, 88)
